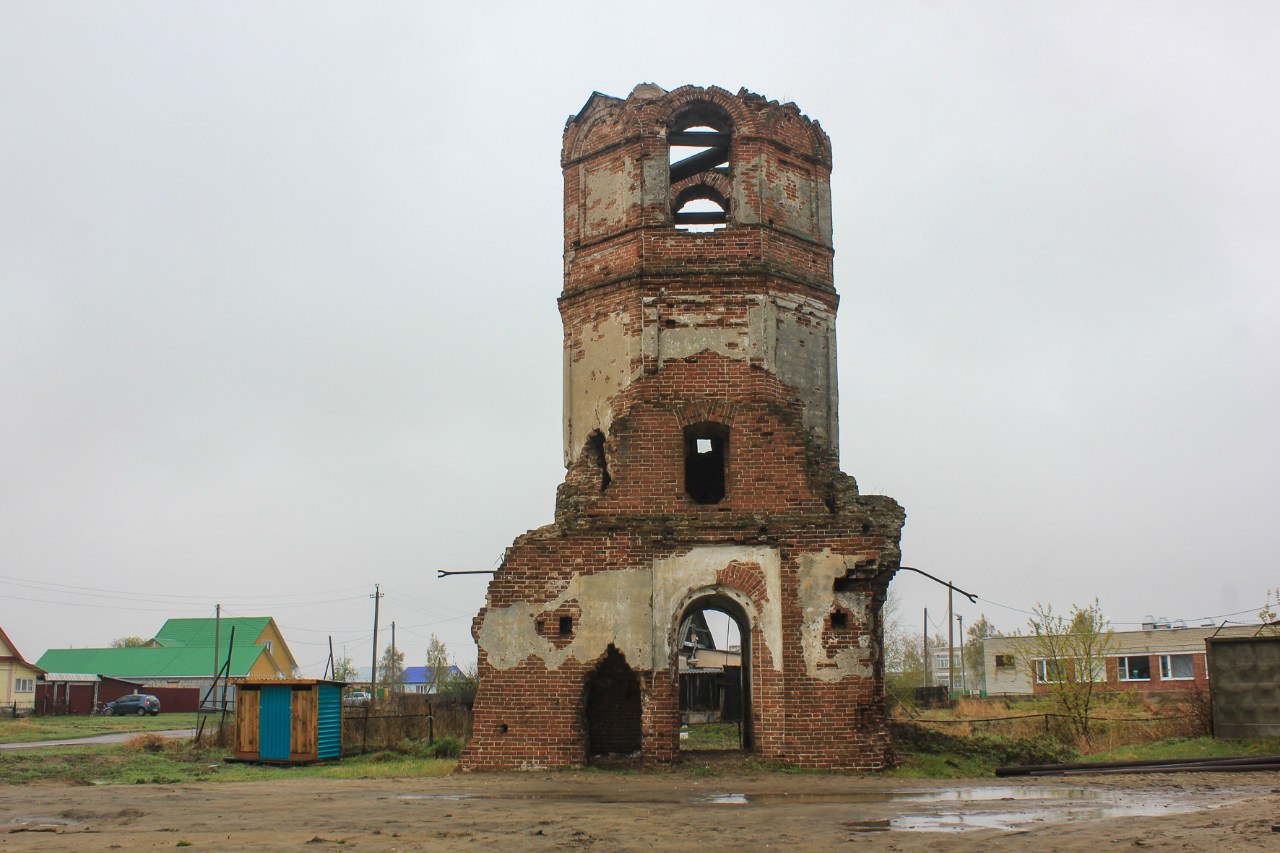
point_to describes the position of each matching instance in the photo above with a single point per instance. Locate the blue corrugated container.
(330, 721)
(292, 721)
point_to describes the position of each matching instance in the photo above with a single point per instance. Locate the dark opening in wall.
(706, 448)
(839, 619)
(566, 626)
(595, 442)
(612, 706)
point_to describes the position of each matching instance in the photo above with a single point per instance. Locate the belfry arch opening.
(698, 145)
(612, 707)
(700, 207)
(713, 658)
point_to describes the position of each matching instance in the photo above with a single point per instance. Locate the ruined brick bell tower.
(700, 438)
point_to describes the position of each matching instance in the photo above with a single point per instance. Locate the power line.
(54, 586)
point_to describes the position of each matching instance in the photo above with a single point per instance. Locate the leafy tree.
(903, 662)
(437, 662)
(391, 669)
(1269, 615)
(128, 642)
(344, 669)
(1067, 656)
(975, 660)
(464, 683)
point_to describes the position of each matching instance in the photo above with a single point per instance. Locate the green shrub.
(446, 747)
(1041, 749)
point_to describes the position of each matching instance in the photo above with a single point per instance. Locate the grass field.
(25, 729)
(151, 759)
(712, 736)
(1184, 748)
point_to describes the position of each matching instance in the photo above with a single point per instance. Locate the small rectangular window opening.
(566, 626)
(839, 619)
(705, 455)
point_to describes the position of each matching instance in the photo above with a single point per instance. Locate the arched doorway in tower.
(713, 658)
(612, 707)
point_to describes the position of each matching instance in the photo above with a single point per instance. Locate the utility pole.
(217, 637)
(951, 644)
(373, 670)
(394, 687)
(964, 682)
(924, 650)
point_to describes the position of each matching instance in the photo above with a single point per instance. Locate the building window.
(24, 685)
(1134, 668)
(1096, 667)
(1051, 671)
(1177, 668)
(706, 447)
(1004, 661)
(266, 644)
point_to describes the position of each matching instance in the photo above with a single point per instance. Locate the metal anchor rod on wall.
(973, 599)
(443, 573)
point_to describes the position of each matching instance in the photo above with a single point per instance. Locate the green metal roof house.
(183, 654)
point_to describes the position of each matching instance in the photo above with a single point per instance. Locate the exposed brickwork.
(667, 330)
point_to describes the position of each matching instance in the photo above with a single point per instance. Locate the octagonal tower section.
(700, 441)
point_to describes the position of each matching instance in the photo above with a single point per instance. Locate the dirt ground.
(652, 811)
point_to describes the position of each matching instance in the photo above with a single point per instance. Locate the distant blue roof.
(424, 675)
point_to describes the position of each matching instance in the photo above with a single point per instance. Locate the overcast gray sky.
(278, 281)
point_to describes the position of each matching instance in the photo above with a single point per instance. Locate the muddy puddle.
(1005, 807)
(39, 824)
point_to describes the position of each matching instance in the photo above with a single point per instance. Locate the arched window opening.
(613, 707)
(699, 141)
(713, 659)
(701, 208)
(706, 448)
(696, 150)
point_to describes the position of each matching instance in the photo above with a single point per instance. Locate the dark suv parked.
(135, 703)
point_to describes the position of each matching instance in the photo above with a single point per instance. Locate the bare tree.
(128, 642)
(1066, 656)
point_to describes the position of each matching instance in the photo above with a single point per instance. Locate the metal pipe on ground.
(1167, 768)
(1029, 769)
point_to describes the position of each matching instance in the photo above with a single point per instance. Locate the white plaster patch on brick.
(596, 369)
(817, 595)
(803, 358)
(614, 610)
(675, 577)
(608, 190)
(697, 325)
